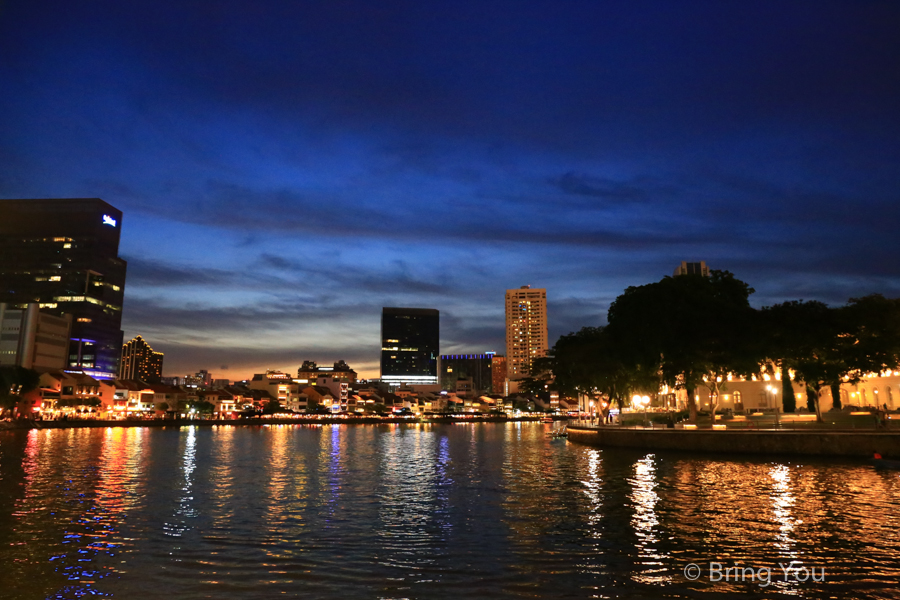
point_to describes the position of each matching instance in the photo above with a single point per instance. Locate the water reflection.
(782, 503)
(594, 562)
(413, 498)
(185, 505)
(422, 511)
(645, 522)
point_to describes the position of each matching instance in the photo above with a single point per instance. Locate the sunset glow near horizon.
(285, 171)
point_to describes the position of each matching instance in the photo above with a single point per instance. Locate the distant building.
(64, 255)
(477, 368)
(691, 268)
(498, 374)
(410, 345)
(199, 380)
(32, 338)
(279, 386)
(340, 390)
(341, 371)
(140, 361)
(526, 329)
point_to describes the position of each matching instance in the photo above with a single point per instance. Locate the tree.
(790, 331)
(203, 407)
(15, 382)
(541, 379)
(692, 330)
(836, 396)
(272, 406)
(845, 344)
(592, 363)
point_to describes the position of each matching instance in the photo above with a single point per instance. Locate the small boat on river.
(559, 432)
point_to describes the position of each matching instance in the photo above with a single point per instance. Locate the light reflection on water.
(644, 520)
(393, 511)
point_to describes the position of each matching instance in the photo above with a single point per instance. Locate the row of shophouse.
(76, 395)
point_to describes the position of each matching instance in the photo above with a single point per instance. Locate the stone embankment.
(774, 441)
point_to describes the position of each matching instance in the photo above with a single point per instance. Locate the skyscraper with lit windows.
(526, 329)
(64, 255)
(140, 361)
(410, 345)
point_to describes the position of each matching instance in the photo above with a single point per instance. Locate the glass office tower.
(410, 339)
(64, 255)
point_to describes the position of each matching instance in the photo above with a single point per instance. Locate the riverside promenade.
(801, 442)
(253, 421)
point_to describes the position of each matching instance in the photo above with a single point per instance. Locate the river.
(491, 510)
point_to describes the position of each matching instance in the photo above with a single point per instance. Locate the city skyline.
(284, 172)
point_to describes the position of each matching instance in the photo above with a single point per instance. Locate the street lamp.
(641, 401)
(774, 391)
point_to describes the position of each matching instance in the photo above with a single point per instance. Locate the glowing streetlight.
(774, 392)
(641, 401)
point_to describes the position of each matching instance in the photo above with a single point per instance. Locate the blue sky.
(286, 169)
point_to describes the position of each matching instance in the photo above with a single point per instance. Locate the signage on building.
(108, 220)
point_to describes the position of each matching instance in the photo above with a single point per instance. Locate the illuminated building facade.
(410, 345)
(341, 371)
(691, 268)
(526, 329)
(140, 361)
(63, 255)
(475, 367)
(280, 386)
(33, 339)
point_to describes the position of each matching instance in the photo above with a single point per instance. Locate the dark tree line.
(15, 382)
(693, 330)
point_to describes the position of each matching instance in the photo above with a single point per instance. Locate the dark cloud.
(464, 145)
(157, 273)
(599, 187)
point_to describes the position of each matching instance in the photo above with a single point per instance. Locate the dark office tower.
(63, 254)
(140, 361)
(410, 340)
(474, 367)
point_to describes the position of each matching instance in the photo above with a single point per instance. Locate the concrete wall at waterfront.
(810, 443)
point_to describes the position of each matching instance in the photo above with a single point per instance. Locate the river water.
(429, 511)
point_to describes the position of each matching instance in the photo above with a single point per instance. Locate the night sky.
(286, 169)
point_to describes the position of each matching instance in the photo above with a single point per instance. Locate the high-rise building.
(32, 338)
(475, 367)
(341, 371)
(63, 255)
(140, 361)
(691, 268)
(526, 329)
(410, 345)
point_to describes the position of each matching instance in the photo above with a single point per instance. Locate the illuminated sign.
(108, 220)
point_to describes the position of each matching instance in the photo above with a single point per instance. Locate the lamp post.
(641, 401)
(774, 392)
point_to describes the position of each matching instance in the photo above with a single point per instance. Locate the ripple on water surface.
(424, 511)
